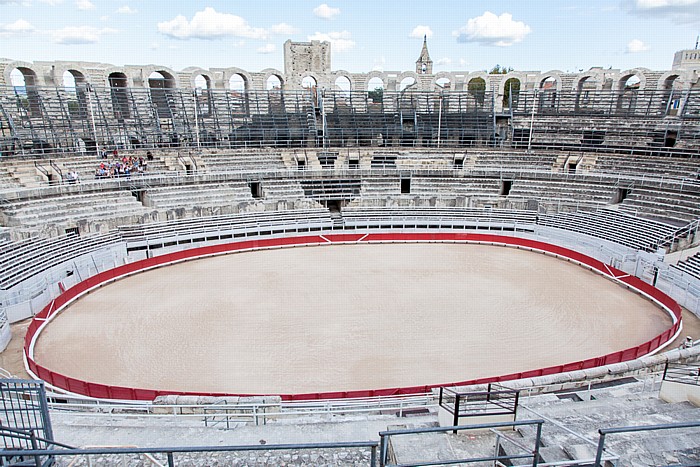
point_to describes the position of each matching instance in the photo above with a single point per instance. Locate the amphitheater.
(316, 267)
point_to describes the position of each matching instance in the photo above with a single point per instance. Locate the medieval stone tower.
(424, 65)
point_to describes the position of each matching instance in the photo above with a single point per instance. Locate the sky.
(382, 35)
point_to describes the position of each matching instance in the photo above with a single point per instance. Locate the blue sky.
(387, 35)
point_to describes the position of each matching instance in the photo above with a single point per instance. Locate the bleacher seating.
(260, 161)
(23, 259)
(68, 210)
(690, 265)
(225, 227)
(188, 196)
(432, 217)
(614, 226)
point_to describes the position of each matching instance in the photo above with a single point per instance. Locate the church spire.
(424, 65)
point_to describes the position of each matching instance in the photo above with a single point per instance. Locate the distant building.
(687, 59)
(424, 65)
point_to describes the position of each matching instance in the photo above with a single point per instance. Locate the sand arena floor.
(344, 317)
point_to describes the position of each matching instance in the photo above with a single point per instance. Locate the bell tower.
(424, 65)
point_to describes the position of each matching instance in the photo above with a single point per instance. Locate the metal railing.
(685, 373)
(532, 453)
(171, 452)
(495, 400)
(604, 432)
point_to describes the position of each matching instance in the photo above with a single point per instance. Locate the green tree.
(498, 70)
(477, 88)
(377, 95)
(511, 85)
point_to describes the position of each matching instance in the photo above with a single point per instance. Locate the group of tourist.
(121, 167)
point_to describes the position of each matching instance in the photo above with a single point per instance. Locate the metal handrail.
(170, 451)
(604, 432)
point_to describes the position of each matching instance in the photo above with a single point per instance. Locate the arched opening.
(629, 89)
(308, 82)
(477, 89)
(671, 101)
(548, 93)
(24, 81)
(406, 83)
(273, 83)
(120, 95)
(160, 83)
(202, 86)
(74, 83)
(443, 84)
(511, 93)
(375, 90)
(342, 84)
(237, 83)
(585, 93)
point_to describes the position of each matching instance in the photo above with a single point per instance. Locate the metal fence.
(90, 119)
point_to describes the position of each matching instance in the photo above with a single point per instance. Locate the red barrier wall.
(116, 392)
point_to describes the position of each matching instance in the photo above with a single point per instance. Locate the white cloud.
(340, 41)
(210, 24)
(463, 62)
(126, 10)
(681, 11)
(635, 46)
(72, 35)
(104, 18)
(326, 12)
(420, 31)
(267, 49)
(490, 29)
(283, 29)
(18, 27)
(379, 63)
(651, 4)
(51, 2)
(84, 5)
(444, 61)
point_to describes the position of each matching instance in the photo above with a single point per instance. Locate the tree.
(377, 95)
(511, 85)
(477, 88)
(498, 70)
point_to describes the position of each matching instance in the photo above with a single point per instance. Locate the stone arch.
(404, 77)
(230, 73)
(269, 73)
(30, 75)
(476, 87)
(586, 87)
(628, 86)
(441, 76)
(60, 69)
(511, 82)
(160, 84)
(201, 85)
(371, 76)
(170, 77)
(309, 80)
(549, 87)
(586, 79)
(343, 74)
(671, 86)
(555, 76)
(75, 87)
(126, 78)
(118, 83)
(24, 79)
(190, 74)
(672, 80)
(479, 74)
(626, 75)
